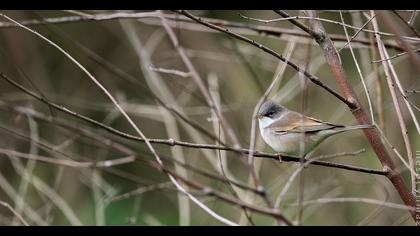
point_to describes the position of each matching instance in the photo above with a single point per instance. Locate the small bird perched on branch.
(292, 133)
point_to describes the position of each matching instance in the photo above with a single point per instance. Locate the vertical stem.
(359, 113)
(304, 104)
(378, 89)
(391, 86)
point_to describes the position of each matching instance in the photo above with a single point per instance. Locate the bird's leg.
(279, 155)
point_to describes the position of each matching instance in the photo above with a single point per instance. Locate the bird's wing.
(293, 122)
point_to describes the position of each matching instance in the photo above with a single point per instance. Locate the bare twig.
(407, 23)
(357, 32)
(378, 88)
(126, 76)
(31, 214)
(105, 164)
(263, 30)
(172, 142)
(302, 166)
(413, 18)
(294, 21)
(51, 194)
(395, 56)
(275, 80)
(313, 78)
(78, 18)
(213, 82)
(357, 200)
(397, 107)
(225, 125)
(69, 163)
(404, 95)
(308, 30)
(24, 184)
(171, 71)
(7, 205)
(360, 72)
(140, 191)
(130, 121)
(401, 40)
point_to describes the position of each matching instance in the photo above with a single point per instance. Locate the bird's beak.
(259, 117)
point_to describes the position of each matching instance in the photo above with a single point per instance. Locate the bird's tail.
(353, 127)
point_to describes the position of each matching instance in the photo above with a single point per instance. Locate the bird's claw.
(279, 155)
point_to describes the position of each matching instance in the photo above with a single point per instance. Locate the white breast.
(289, 143)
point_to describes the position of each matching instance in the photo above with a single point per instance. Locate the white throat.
(264, 122)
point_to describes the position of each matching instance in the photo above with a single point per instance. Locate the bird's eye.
(269, 114)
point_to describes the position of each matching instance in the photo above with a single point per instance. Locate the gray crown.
(270, 109)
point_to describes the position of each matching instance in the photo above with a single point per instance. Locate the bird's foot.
(279, 155)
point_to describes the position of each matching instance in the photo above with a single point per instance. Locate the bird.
(291, 133)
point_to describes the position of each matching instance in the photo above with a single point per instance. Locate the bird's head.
(270, 109)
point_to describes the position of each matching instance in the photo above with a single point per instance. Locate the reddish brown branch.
(372, 135)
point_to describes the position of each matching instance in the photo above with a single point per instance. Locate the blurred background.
(133, 57)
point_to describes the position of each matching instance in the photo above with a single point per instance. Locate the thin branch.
(359, 71)
(195, 185)
(395, 56)
(264, 30)
(171, 71)
(306, 29)
(401, 40)
(9, 191)
(313, 78)
(213, 83)
(216, 194)
(290, 47)
(401, 121)
(294, 21)
(172, 142)
(106, 164)
(357, 200)
(78, 18)
(69, 163)
(357, 32)
(225, 125)
(51, 194)
(129, 78)
(413, 18)
(130, 121)
(401, 90)
(140, 190)
(305, 163)
(7, 205)
(407, 24)
(378, 87)
(29, 168)
(79, 13)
